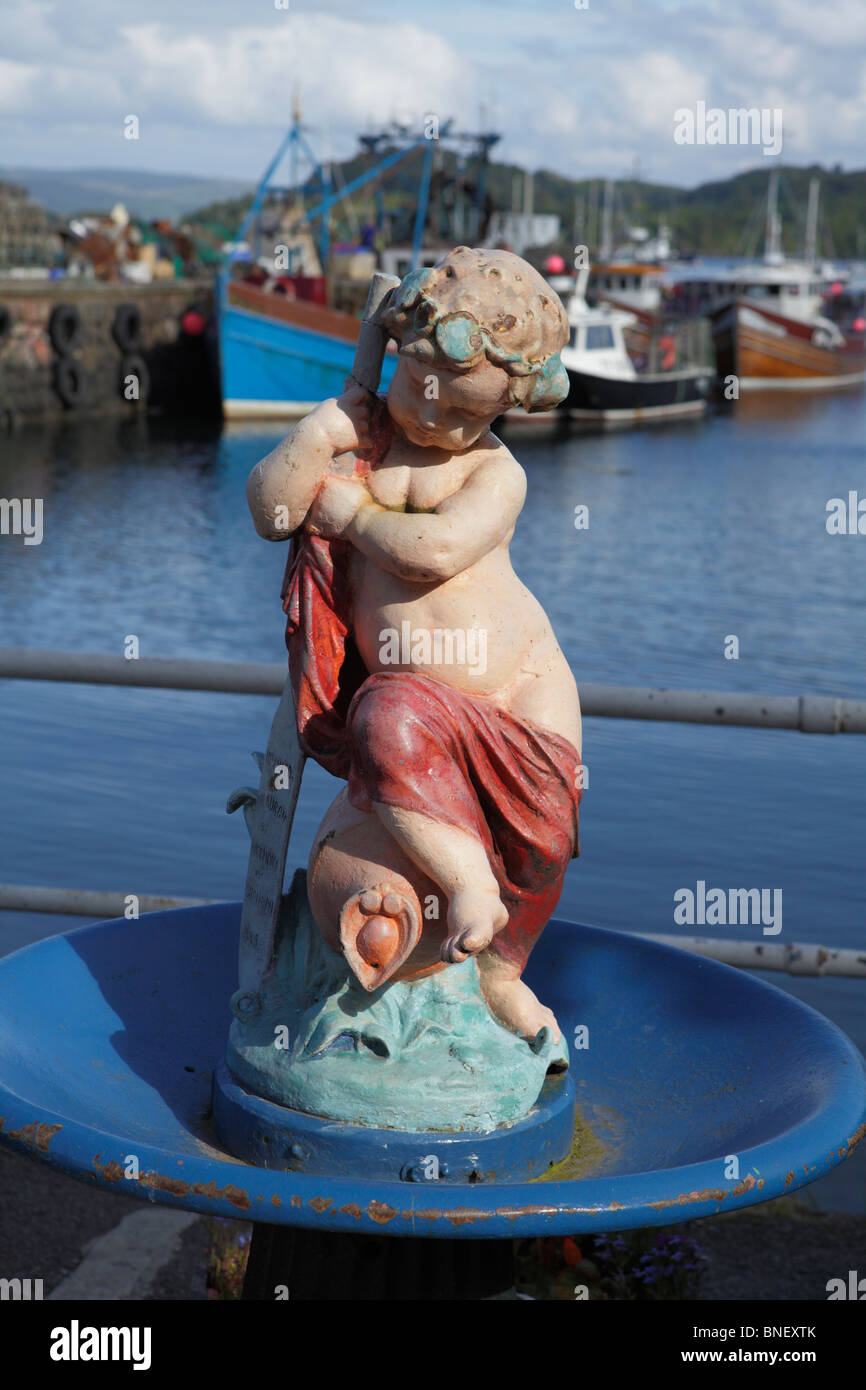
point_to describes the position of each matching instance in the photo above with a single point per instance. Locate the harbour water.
(697, 533)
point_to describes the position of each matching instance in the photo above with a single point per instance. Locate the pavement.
(779, 1251)
(88, 1244)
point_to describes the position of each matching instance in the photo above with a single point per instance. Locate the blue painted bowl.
(704, 1089)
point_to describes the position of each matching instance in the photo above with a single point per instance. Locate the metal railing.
(807, 713)
(810, 714)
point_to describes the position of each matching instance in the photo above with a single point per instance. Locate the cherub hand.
(354, 403)
(337, 503)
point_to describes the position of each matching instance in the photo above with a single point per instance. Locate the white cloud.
(347, 71)
(649, 92)
(18, 85)
(29, 29)
(581, 91)
(840, 25)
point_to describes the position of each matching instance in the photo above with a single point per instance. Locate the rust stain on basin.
(38, 1136)
(177, 1187)
(112, 1172)
(236, 1195)
(380, 1212)
(465, 1216)
(710, 1194)
(513, 1213)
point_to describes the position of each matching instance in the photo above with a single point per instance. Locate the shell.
(379, 929)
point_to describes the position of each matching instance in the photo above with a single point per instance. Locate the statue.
(424, 672)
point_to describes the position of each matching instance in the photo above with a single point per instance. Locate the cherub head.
(478, 333)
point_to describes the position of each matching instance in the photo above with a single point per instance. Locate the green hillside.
(724, 217)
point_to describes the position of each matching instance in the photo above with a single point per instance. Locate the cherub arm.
(428, 547)
(281, 489)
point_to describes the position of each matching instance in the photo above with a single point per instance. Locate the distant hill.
(145, 194)
(725, 217)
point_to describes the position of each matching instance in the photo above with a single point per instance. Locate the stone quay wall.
(180, 368)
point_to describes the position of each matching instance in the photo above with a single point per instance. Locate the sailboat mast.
(773, 234)
(592, 236)
(811, 247)
(607, 221)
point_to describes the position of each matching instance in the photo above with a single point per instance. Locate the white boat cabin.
(792, 289)
(636, 286)
(596, 345)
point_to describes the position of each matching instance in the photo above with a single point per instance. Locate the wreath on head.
(477, 304)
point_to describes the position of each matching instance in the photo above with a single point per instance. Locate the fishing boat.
(764, 349)
(621, 370)
(845, 305)
(288, 305)
(770, 322)
(280, 355)
(632, 285)
(630, 275)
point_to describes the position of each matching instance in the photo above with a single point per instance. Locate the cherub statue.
(459, 817)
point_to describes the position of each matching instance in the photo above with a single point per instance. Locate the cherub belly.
(484, 634)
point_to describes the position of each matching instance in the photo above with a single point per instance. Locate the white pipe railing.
(811, 714)
(796, 958)
(86, 902)
(170, 673)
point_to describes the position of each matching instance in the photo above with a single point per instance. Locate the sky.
(586, 92)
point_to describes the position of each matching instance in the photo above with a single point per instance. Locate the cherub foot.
(512, 1002)
(475, 915)
(379, 928)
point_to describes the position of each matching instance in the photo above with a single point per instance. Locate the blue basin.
(703, 1088)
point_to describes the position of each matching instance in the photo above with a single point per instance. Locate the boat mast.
(810, 253)
(773, 235)
(528, 193)
(296, 126)
(592, 236)
(607, 221)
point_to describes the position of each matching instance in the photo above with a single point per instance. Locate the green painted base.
(410, 1056)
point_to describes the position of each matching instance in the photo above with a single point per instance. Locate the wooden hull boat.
(766, 350)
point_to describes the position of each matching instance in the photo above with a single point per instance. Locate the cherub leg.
(512, 1001)
(457, 862)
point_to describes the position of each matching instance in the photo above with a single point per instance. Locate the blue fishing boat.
(279, 356)
(284, 344)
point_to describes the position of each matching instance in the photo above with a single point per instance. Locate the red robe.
(413, 742)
